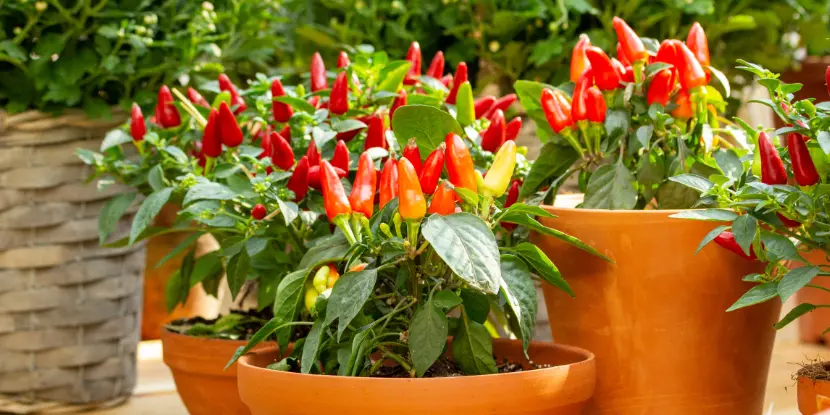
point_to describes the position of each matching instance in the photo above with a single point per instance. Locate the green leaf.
(710, 237)
(756, 295)
(156, 178)
(427, 337)
(179, 248)
(823, 139)
(672, 195)
(349, 294)
(553, 161)
(296, 103)
(269, 328)
(517, 287)
(472, 348)
(147, 212)
(476, 305)
(533, 211)
(256, 245)
(543, 266)
(312, 346)
(331, 249)
(729, 163)
(525, 220)
(779, 246)
(467, 196)
(115, 138)
(644, 134)
(616, 124)
(611, 187)
(713, 215)
(346, 125)
(238, 267)
(795, 313)
(467, 246)
(208, 191)
(206, 265)
(795, 280)
(287, 303)
(446, 300)
(392, 76)
(428, 125)
(111, 213)
(724, 81)
(177, 154)
(744, 229)
(174, 289)
(694, 181)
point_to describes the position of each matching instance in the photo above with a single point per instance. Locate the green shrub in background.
(94, 54)
(532, 39)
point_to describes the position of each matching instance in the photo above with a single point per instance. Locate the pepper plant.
(413, 273)
(631, 123)
(775, 201)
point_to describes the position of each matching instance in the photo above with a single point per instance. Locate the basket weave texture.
(69, 309)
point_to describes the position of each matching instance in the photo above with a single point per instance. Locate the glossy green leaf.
(472, 348)
(517, 287)
(428, 125)
(147, 212)
(427, 337)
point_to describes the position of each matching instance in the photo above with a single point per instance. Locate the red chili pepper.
(513, 128)
(500, 104)
(788, 222)
(579, 62)
(318, 73)
(282, 154)
(804, 169)
(443, 202)
(334, 196)
(298, 183)
(661, 87)
(827, 79)
(388, 181)
(431, 172)
(225, 84)
(413, 55)
(137, 126)
(493, 137)
(315, 101)
(340, 159)
(229, 130)
(343, 60)
(626, 73)
(459, 78)
(557, 114)
(447, 80)
(314, 176)
(772, 167)
(196, 98)
(667, 53)
(691, 73)
(166, 113)
(483, 104)
(602, 69)
(412, 153)
(362, 198)
(267, 147)
(436, 67)
(412, 204)
(349, 135)
(339, 95)
(727, 240)
(400, 101)
(282, 111)
(286, 133)
(259, 212)
(376, 135)
(460, 164)
(697, 43)
(211, 143)
(512, 197)
(199, 154)
(596, 105)
(579, 109)
(632, 46)
(621, 56)
(684, 109)
(313, 154)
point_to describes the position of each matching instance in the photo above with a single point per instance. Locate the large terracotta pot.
(198, 366)
(812, 325)
(561, 389)
(813, 394)
(656, 319)
(154, 312)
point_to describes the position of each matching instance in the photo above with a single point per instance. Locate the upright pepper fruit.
(512, 198)
(596, 105)
(443, 202)
(483, 104)
(211, 143)
(772, 167)
(266, 146)
(698, 44)
(626, 74)
(436, 67)
(632, 46)
(579, 105)
(339, 95)
(343, 60)
(661, 87)
(667, 53)
(315, 176)
(493, 137)
(502, 103)
(412, 153)
(298, 183)
(621, 55)
(464, 106)
(229, 129)
(804, 169)
(579, 62)
(225, 84)
(318, 73)
(313, 154)
(388, 181)
(196, 98)
(282, 111)
(286, 133)
(412, 204)
(602, 69)
(558, 115)
(166, 113)
(691, 73)
(413, 55)
(446, 80)
(334, 196)
(283, 155)
(827, 79)
(376, 134)
(513, 128)
(727, 240)
(460, 164)
(431, 172)
(459, 78)
(259, 211)
(340, 159)
(137, 126)
(362, 198)
(498, 177)
(399, 101)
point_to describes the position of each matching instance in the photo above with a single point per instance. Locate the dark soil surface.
(443, 368)
(243, 329)
(815, 371)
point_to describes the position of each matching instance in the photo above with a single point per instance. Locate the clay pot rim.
(618, 212)
(172, 334)
(587, 359)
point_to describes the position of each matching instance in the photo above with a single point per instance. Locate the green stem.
(400, 360)
(342, 222)
(412, 228)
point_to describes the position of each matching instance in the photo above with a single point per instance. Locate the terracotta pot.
(813, 394)
(154, 310)
(812, 325)
(656, 319)
(558, 390)
(198, 366)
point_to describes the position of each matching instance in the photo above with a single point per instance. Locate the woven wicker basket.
(69, 309)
